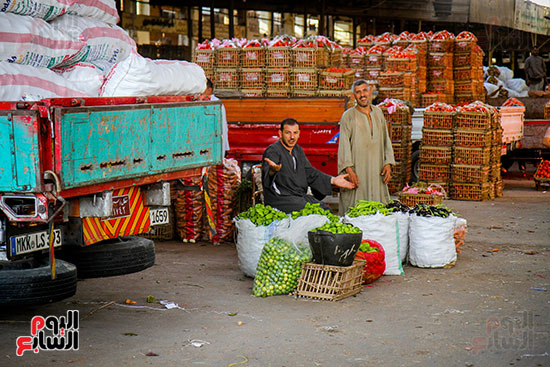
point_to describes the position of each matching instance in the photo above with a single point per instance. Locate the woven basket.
(474, 191)
(337, 81)
(395, 79)
(227, 79)
(252, 78)
(435, 155)
(472, 156)
(411, 200)
(437, 137)
(473, 120)
(469, 174)
(279, 57)
(400, 116)
(434, 172)
(253, 57)
(228, 57)
(438, 120)
(304, 79)
(472, 138)
(331, 283)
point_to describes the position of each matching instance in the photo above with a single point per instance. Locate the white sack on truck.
(43, 9)
(139, 76)
(88, 77)
(102, 41)
(27, 83)
(104, 10)
(31, 41)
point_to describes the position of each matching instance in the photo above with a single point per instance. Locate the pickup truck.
(80, 177)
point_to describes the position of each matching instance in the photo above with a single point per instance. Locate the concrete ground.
(491, 309)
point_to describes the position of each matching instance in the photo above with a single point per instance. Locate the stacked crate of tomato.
(473, 138)
(303, 78)
(278, 70)
(252, 72)
(440, 65)
(204, 55)
(227, 70)
(468, 69)
(399, 120)
(335, 81)
(437, 144)
(399, 79)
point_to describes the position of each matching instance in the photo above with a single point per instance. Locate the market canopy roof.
(517, 14)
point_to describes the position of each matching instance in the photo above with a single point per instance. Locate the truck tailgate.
(94, 145)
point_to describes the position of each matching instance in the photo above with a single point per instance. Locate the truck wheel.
(29, 282)
(123, 255)
(415, 165)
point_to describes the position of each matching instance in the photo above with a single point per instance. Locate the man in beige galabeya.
(364, 150)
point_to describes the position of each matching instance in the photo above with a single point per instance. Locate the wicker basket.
(411, 200)
(441, 45)
(375, 75)
(399, 117)
(277, 78)
(465, 46)
(472, 156)
(304, 79)
(279, 57)
(434, 172)
(228, 57)
(336, 81)
(440, 72)
(374, 61)
(474, 192)
(467, 73)
(331, 283)
(443, 86)
(357, 61)
(227, 79)
(336, 57)
(253, 57)
(437, 137)
(270, 92)
(205, 59)
(472, 138)
(253, 92)
(467, 59)
(252, 78)
(438, 120)
(402, 152)
(304, 57)
(469, 174)
(164, 232)
(441, 60)
(403, 94)
(435, 155)
(400, 133)
(395, 79)
(400, 64)
(473, 120)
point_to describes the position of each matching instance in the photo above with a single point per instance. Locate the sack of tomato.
(373, 253)
(542, 176)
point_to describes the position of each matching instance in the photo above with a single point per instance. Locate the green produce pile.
(425, 210)
(262, 215)
(337, 227)
(365, 207)
(314, 209)
(279, 267)
(366, 247)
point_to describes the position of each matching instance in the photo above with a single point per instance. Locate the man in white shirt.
(209, 91)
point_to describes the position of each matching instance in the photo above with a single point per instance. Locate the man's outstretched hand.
(340, 181)
(273, 167)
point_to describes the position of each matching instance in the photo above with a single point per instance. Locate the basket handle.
(438, 186)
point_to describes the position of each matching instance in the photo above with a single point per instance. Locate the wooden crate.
(467, 191)
(277, 78)
(253, 57)
(400, 116)
(438, 120)
(336, 81)
(472, 156)
(473, 120)
(434, 172)
(252, 78)
(331, 283)
(304, 79)
(435, 155)
(395, 79)
(227, 79)
(279, 57)
(411, 200)
(469, 174)
(437, 137)
(472, 138)
(400, 133)
(228, 57)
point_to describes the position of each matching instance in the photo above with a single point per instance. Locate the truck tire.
(29, 282)
(415, 165)
(123, 255)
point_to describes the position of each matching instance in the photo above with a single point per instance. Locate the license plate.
(159, 216)
(31, 242)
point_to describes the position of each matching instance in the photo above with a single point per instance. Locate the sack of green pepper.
(373, 253)
(255, 227)
(279, 267)
(379, 224)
